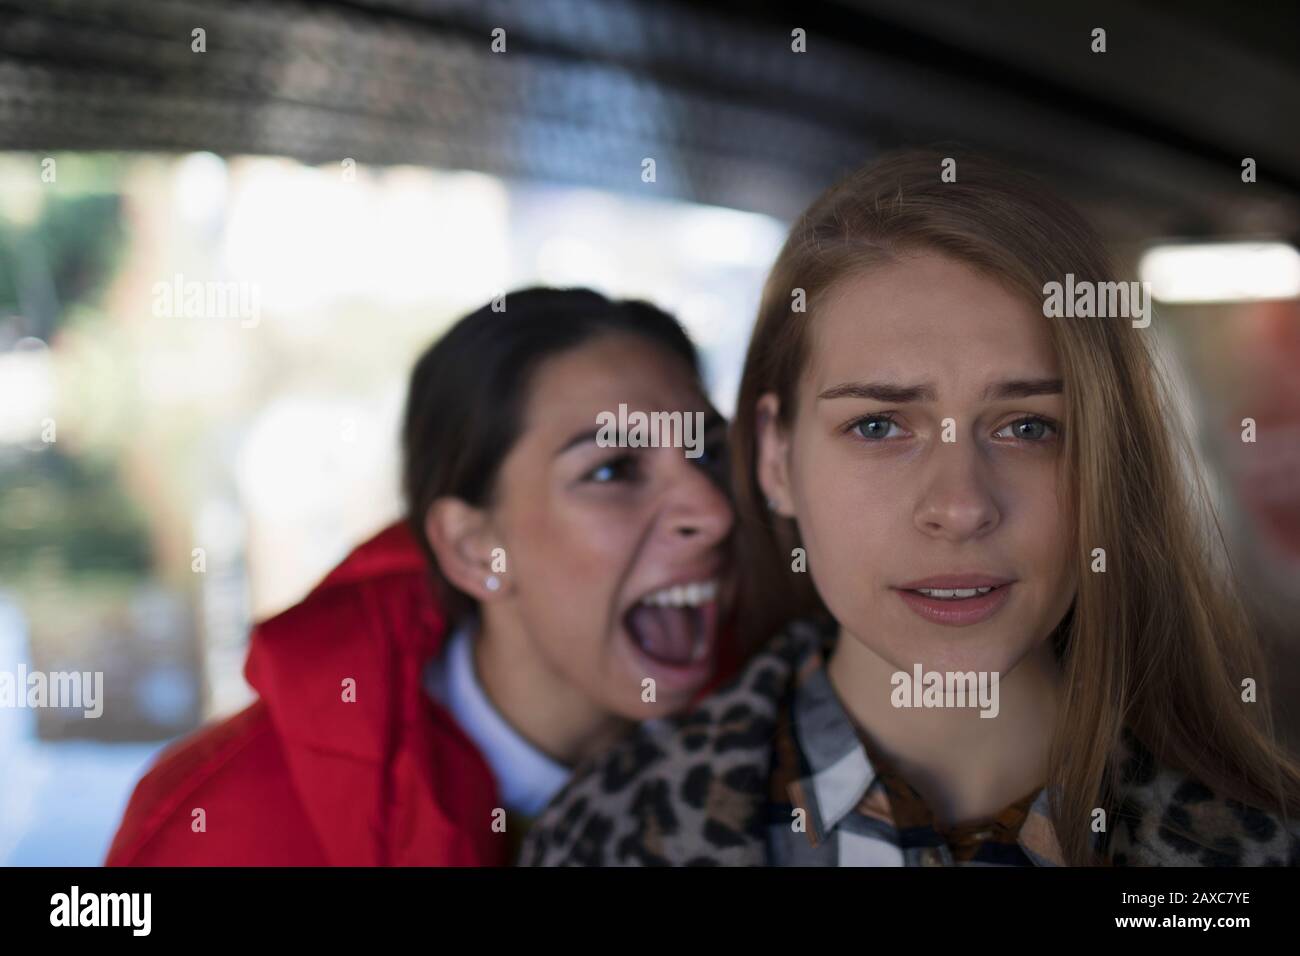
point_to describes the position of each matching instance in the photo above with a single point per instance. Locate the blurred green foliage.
(68, 255)
(58, 513)
(69, 514)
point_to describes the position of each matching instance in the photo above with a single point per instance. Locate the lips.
(956, 600)
(962, 580)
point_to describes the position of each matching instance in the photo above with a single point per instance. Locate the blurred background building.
(359, 173)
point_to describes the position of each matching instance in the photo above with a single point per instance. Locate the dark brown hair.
(469, 390)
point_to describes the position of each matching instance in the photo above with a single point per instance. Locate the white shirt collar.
(527, 777)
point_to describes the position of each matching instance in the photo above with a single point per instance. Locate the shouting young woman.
(547, 591)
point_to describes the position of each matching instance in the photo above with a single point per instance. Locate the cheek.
(1043, 529)
(1042, 524)
(850, 523)
(571, 559)
(597, 544)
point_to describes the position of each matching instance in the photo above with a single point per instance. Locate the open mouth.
(952, 594)
(957, 606)
(675, 625)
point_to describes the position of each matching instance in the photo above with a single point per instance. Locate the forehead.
(570, 388)
(927, 318)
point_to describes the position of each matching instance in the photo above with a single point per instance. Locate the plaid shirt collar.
(840, 772)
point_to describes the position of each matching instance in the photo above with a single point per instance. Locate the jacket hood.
(386, 775)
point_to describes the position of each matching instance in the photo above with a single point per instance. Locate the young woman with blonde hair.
(938, 477)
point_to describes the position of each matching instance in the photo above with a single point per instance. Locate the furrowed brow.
(881, 392)
(1024, 388)
(902, 394)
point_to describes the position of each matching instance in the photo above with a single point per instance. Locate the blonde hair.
(1160, 643)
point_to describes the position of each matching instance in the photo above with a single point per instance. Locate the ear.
(463, 542)
(773, 455)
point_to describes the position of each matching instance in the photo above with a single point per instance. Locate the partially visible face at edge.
(882, 501)
(616, 555)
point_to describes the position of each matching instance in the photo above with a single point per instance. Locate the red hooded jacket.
(302, 777)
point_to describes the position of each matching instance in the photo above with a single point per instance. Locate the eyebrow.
(581, 438)
(895, 394)
(712, 423)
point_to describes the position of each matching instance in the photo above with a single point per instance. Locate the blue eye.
(873, 427)
(622, 468)
(1038, 429)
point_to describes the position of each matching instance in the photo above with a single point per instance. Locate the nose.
(697, 508)
(956, 501)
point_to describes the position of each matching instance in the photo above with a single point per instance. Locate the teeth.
(683, 595)
(953, 594)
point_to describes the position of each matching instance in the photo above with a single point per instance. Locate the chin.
(992, 656)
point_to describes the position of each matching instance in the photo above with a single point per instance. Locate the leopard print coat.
(692, 790)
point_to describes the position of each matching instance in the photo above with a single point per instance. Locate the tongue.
(664, 633)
